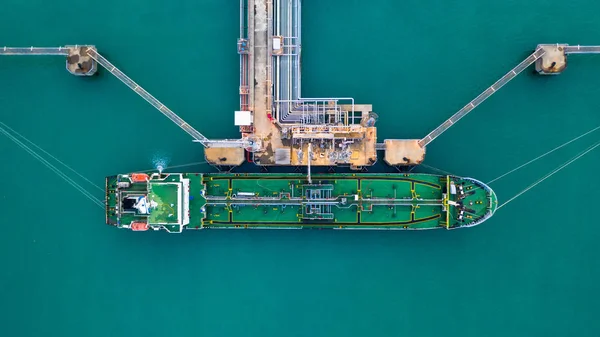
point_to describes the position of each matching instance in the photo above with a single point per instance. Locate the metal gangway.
(482, 97)
(34, 51)
(582, 49)
(198, 137)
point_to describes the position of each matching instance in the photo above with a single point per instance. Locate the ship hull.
(175, 202)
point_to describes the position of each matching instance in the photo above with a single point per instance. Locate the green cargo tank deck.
(341, 201)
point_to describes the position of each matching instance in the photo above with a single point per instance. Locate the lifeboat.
(139, 177)
(139, 226)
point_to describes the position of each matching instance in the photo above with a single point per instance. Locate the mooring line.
(61, 174)
(53, 168)
(436, 169)
(553, 172)
(53, 157)
(177, 166)
(545, 154)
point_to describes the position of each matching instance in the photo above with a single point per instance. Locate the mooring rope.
(176, 166)
(436, 169)
(51, 156)
(553, 172)
(53, 168)
(545, 154)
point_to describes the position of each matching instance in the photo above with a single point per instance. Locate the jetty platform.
(278, 126)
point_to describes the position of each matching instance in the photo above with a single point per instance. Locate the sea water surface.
(532, 270)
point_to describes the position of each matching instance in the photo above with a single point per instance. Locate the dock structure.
(554, 61)
(278, 126)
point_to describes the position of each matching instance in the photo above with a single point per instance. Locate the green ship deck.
(341, 201)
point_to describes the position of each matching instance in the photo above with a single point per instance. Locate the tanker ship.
(177, 201)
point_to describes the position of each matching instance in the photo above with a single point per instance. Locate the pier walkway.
(161, 107)
(582, 49)
(78, 62)
(549, 58)
(482, 97)
(34, 51)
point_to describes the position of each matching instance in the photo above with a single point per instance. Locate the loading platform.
(270, 45)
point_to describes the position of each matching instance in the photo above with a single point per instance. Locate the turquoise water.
(532, 270)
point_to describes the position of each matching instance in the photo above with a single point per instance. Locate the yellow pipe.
(446, 202)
